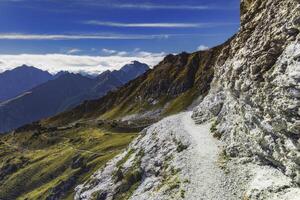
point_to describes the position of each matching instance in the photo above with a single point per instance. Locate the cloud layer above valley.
(78, 63)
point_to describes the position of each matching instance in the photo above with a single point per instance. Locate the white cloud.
(73, 51)
(73, 63)
(110, 37)
(148, 25)
(146, 6)
(168, 7)
(157, 25)
(109, 51)
(134, 53)
(122, 53)
(202, 48)
(18, 36)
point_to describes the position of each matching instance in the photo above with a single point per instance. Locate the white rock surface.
(258, 87)
(207, 179)
(180, 161)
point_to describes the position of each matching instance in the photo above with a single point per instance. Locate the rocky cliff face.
(255, 94)
(253, 102)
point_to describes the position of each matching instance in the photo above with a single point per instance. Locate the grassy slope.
(170, 87)
(46, 162)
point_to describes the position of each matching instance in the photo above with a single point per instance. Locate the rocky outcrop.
(255, 94)
(253, 102)
(153, 167)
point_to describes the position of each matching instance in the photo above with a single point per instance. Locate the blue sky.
(114, 27)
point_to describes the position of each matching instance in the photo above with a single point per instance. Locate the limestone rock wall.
(255, 95)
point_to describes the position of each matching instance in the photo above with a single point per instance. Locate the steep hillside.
(65, 155)
(167, 89)
(60, 94)
(15, 82)
(252, 110)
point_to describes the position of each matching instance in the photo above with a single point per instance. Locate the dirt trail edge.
(208, 180)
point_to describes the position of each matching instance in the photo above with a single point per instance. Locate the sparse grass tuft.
(173, 183)
(213, 127)
(130, 178)
(182, 193)
(180, 146)
(214, 130)
(127, 156)
(246, 197)
(181, 102)
(223, 159)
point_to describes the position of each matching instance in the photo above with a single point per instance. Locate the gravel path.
(192, 174)
(208, 180)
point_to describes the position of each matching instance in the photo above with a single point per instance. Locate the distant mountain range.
(61, 92)
(15, 82)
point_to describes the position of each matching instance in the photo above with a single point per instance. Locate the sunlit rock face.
(254, 103)
(255, 94)
(245, 6)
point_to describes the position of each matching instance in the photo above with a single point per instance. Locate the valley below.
(39, 165)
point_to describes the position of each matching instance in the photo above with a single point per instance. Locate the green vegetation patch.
(129, 179)
(126, 157)
(180, 146)
(37, 166)
(214, 130)
(171, 182)
(223, 160)
(181, 102)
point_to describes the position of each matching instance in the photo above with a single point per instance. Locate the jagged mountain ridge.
(130, 71)
(62, 93)
(169, 87)
(15, 82)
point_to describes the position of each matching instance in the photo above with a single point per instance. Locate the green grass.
(45, 162)
(174, 106)
(180, 146)
(181, 102)
(223, 160)
(126, 157)
(213, 127)
(214, 130)
(129, 179)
